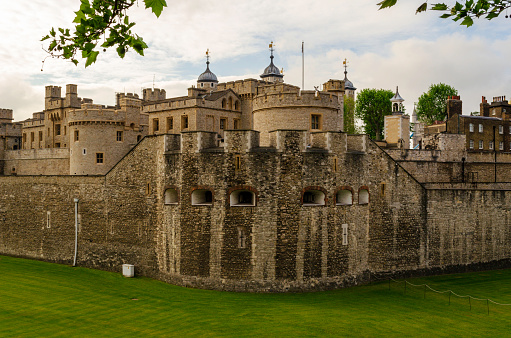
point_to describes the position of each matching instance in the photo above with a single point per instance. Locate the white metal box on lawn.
(128, 270)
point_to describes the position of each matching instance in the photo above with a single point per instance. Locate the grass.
(43, 299)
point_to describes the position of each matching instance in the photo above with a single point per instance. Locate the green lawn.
(42, 299)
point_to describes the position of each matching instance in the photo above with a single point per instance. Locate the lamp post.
(76, 200)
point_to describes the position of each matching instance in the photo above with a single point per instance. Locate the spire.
(347, 83)
(207, 59)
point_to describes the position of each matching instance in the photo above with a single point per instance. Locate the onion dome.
(272, 73)
(207, 76)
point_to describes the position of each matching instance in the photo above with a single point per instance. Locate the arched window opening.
(344, 197)
(202, 197)
(363, 196)
(230, 103)
(171, 196)
(223, 104)
(242, 198)
(313, 198)
(237, 105)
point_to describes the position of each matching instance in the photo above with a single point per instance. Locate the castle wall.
(47, 161)
(324, 212)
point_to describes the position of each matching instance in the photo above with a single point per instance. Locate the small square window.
(99, 158)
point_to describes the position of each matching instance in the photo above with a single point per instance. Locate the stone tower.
(397, 125)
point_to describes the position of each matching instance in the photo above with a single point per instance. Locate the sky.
(384, 48)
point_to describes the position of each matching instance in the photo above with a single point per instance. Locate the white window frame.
(345, 234)
(480, 128)
(471, 127)
(481, 144)
(501, 145)
(471, 144)
(501, 129)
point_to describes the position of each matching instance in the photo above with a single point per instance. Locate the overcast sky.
(385, 49)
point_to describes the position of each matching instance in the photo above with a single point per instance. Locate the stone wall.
(289, 217)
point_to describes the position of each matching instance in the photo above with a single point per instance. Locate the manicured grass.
(42, 299)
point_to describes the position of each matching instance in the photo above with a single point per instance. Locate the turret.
(207, 79)
(272, 73)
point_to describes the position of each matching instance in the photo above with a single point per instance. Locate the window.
(237, 105)
(501, 129)
(471, 144)
(471, 127)
(119, 136)
(57, 145)
(481, 144)
(170, 123)
(335, 165)
(313, 198)
(223, 123)
(236, 124)
(344, 197)
(84, 151)
(490, 145)
(65, 130)
(184, 122)
(237, 162)
(202, 197)
(32, 137)
(40, 137)
(345, 234)
(223, 104)
(315, 121)
(501, 145)
(230, 103)
(99, 158)
(77, 135)
(171, 196)
(202, 84)
(363, 196)
(139, 137)
(156, 125)
(242, 198)
(24, 138)
(57, 129)
(510, 129)
(242, 238)
(48, 219)
(480, 128)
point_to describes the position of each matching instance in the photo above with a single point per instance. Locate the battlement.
(5, 114)
(53, 92)
(95, 112)
(303, 99)
(244, 141)
(155, 94)
(333, 86)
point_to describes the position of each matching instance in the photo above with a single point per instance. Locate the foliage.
(52, 299)
(349, 115)
(432, 105)
(371, 107)
(96, 21)
(466, 10)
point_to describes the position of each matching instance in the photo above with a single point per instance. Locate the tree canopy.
(371, 107)
(99, 24)
(349, 115)
(466, 11)
(432, 105)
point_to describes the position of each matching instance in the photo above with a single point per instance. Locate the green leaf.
(157, 6)
(52, 32)
(439, 7)
(52, 45)
(91, 58)
(422, 8)
(79, 17)
(467, 21)
(45, 37)
(386, 3)
(75, 61)
(445, 16)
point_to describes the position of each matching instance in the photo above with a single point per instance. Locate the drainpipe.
(76, 230)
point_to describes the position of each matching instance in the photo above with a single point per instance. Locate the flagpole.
(302, 67)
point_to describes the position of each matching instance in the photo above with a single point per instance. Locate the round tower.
(272, 73)
(207, 79)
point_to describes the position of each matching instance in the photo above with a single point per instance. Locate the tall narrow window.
(315, 121)
(99, 158)
(77, 135)
(184, 122)
(501, 145)
(335, 165)
(471, 127)
(480, 144)
(236, 124)
(345, 234)
(490, 145)
(480, 128)
(170, 123)
(223, 123)
(501, 129)
(242, 238)
(156, 125)
(48, 219)
(237, 162)
(471, 144)
(119, 136)
(57, 129)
